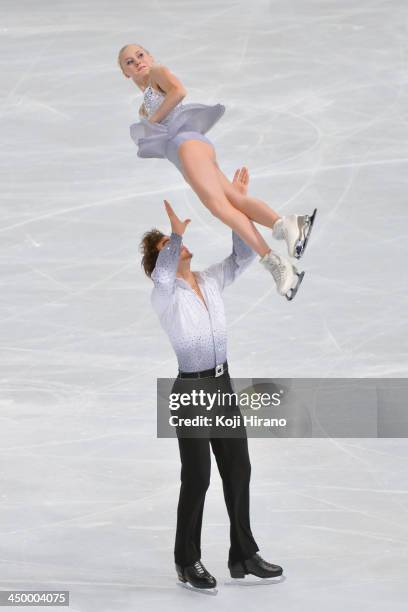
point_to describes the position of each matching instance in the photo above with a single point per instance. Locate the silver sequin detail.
(198, 335)
(152, 99)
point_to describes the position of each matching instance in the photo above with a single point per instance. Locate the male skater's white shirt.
(197, 334)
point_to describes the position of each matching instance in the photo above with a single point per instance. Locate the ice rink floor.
(316, 99)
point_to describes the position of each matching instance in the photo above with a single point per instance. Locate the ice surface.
(316, 98)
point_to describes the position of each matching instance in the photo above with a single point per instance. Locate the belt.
(219, 370)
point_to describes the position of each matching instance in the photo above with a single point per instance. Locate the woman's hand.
(177, 226)
(142, 111)
(241, 180)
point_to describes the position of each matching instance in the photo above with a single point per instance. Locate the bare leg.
(294, 229)
(200, 171)
(255, 209)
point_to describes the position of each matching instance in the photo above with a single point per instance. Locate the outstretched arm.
(164, 273)
(173, 88)
(227, 270)
(165, 270)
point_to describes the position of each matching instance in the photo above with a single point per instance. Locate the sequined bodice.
(152, 99)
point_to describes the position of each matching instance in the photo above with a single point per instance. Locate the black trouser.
(234, 466)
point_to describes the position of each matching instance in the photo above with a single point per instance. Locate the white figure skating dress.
(184, 122)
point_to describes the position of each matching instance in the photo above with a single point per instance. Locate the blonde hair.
(123, 49)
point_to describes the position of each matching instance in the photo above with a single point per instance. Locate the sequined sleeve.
(164, 273)
(232, 266)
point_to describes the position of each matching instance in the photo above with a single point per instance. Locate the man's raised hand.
(241, 180)
(177, 226)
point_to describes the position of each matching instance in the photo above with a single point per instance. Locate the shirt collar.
(184, 284)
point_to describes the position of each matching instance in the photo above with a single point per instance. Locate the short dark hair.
(148, 247)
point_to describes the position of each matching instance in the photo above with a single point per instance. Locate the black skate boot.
(196, 575)
(255, 566)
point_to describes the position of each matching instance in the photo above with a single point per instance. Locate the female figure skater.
(170, 129)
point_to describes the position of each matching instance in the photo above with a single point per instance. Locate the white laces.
(199, 567)
(278, 269)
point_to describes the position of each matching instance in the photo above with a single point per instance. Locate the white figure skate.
(286, 276)
(295, 230)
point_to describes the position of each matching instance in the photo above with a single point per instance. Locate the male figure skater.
(191, 311)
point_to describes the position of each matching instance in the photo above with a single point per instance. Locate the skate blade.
(293, 291)
(252, 581)
(190, 587)
(301, 246)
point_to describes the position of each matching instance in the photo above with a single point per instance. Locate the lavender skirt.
(186, 122)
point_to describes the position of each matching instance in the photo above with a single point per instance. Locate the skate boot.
(196, 575)
(255, 566)
(286, 276)
(295, 230)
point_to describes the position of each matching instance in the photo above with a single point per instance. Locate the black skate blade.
(254, 581)
(312, 219)
(190, 587)
(292, 292)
